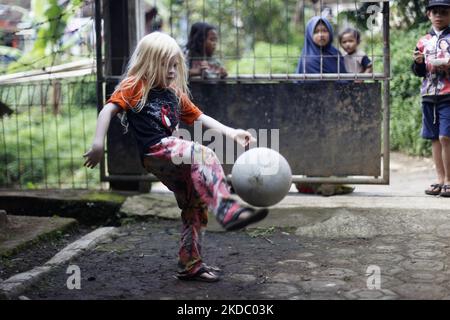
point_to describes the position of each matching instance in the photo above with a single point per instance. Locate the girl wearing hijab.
(319, 56)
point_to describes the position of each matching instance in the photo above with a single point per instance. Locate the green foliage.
(104, 196)
(51, 20)
(411, 12)
(241, 23)
(261, 232)
(40, 148)
(406, 115)
(407, 13)
(266, 58)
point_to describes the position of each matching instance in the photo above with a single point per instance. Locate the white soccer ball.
(262, 177)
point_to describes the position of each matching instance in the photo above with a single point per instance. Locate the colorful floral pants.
(195, 175)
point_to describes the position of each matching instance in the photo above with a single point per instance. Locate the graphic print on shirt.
(435, 50)
(166, 111)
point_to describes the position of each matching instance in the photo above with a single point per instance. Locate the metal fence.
(46, 126)
(260, 40)
(48, 105)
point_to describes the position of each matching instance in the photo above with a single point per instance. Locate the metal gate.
(333, 128)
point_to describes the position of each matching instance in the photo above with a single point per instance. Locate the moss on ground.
(104, 196)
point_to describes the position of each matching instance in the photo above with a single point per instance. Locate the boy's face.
(321, 35)
(349, 43)
(439, 17)
(211, 42)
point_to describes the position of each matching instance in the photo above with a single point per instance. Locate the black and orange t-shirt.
(159, 117)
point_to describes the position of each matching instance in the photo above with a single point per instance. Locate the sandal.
(235, 223)
(208, 267)
(334, 189)
(307, 188)
(445, 191)
(212, 268)
(435, 190)
(200, 275)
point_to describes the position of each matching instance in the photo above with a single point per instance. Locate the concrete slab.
(162, 205)
(87, 206)
(21, 231)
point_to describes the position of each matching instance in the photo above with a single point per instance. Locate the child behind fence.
(356, 60)
(200, 49)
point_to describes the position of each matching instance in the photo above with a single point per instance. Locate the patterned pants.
(195, 175)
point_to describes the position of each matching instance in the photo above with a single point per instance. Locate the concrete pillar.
(123, 27)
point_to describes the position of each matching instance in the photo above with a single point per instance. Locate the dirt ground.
(262, 264)
(39, 252)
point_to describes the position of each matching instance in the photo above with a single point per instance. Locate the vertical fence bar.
(58, 158)
(171, 17)
(286, 11)
(44, 153)
(336, 38)
(70, 98)
(387, 92)
(372, 41)
(30, 105)
(220, 33)
(99, 68)
(236, 11)
(83, 120)
(5, 154)
(270, 43)
(321, 49)
(188, 16)
(19, 162)
(304, 32)
(204, 11)
(254, 39)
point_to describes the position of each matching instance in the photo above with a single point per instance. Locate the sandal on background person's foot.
(434, 190)
(445, 191)
(203, 274)
(238, 222)
(307, 188)
(335, 189)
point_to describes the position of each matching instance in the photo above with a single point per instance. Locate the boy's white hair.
(149, 65)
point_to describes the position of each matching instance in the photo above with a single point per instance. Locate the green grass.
(40, 148)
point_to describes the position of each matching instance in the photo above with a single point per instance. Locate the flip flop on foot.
(203, 274)
(240, 221)
(207, 267)
(434, 190)
(445, 191)
(212, 268)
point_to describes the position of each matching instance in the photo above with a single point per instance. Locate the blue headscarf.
(311, 52)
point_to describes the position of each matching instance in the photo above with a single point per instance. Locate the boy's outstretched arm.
(241, 136)
(95, 153)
